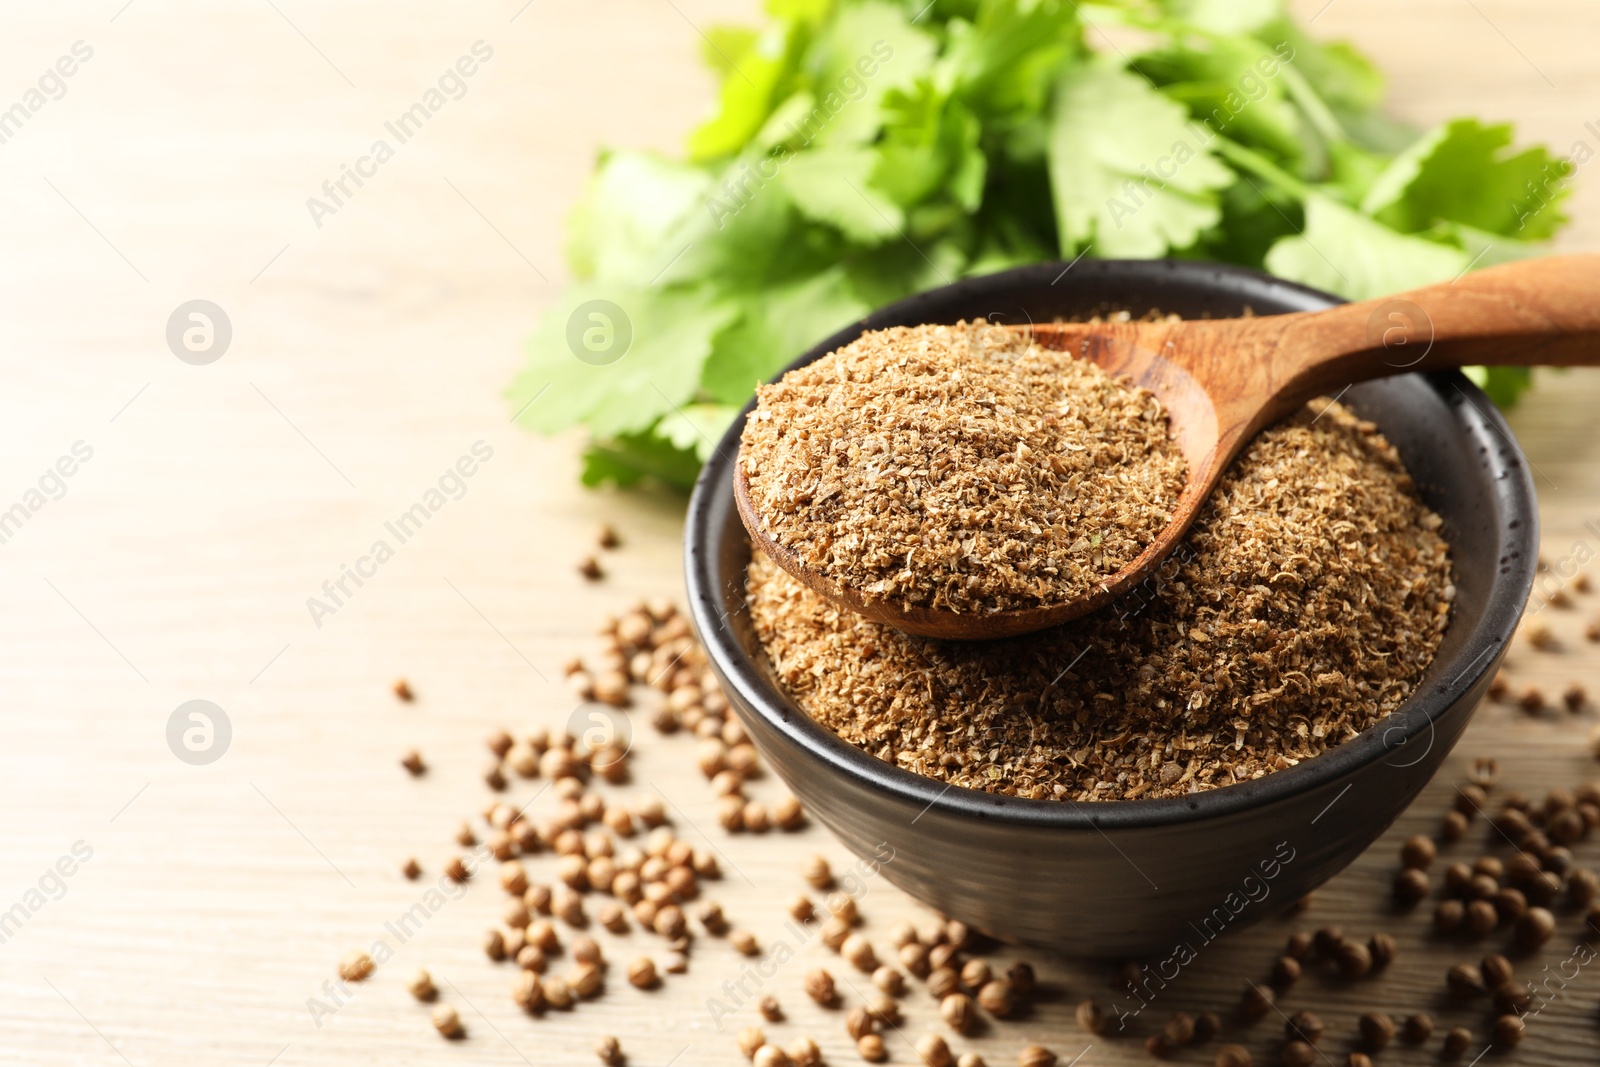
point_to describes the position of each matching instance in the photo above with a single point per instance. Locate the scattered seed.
(820, 988)
(1256, 1001)
(1508, 1031)
(589, 567)
(1304, 1026)
(1036, 1056)
(412, 761)
(857, 950)
(1297, 1054)
(642, 973)
(1233, 1056)
(355, 966)
(958, 1012)
(1377, 1030)
(750, 1039)
(447, 1021)
(1456, 1041)
(1418, 851)
(1465, 980)
(871, 1048)
(771, 1056)
(805, 1053)
(1355, 959)
(1411, 886)
(421, 985)
(934, 1050)
(1534, 928)
(1417, 1028)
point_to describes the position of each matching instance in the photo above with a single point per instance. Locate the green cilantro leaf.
(1131, 174)
(834, 186)
(1513, 194)
(1345, 252)
(779, 323)
(671, 335)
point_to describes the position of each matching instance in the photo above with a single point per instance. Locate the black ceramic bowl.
(1132, 878)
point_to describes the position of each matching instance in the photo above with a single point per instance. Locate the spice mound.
(960, 468)
(1306, 603)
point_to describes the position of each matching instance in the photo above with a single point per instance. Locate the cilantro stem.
(1247, 159)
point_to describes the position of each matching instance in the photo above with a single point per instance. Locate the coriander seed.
(805, 1053)
(421, 985)
(1417, 1028)
(996, 998)
(1418, 852)
(1377, 1030)
(1533, 928)
(871, 1048)
(1507, 1031)
(1036, 1056)
(1091, 1016)
(1465, 980)
(1456, 1042)
(820, 988)
(1382, 948)
(933, 1050)
(1354, 959)
(642, 973)
(527, 992)
(412, 761)
(1303, 1025)
(1233, 1056)
(1297, 1054)
(447, 1021)
(750, 1039)
(1285, 972)
(609, 1051)
(1178, 1030)
(942, 982)
(355, 966)
(1256, 1001)
(771, 1056)
(857, 950)
(958, 1012)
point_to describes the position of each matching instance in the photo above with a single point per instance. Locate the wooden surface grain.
(368, 356)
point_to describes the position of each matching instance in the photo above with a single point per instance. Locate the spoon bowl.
(1223, 380)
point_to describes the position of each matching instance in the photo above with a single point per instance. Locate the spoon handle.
(1531, 312)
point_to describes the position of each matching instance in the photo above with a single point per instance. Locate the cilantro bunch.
(863, 150)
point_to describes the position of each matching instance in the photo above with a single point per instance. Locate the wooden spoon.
(1222, 380)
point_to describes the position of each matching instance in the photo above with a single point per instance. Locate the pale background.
(367, 356)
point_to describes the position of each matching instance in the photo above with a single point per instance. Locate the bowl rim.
(1413, 720)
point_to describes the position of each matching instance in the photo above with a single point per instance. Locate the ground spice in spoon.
(1305, 605)
(960, 468)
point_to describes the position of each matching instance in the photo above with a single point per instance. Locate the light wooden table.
(368, 354)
